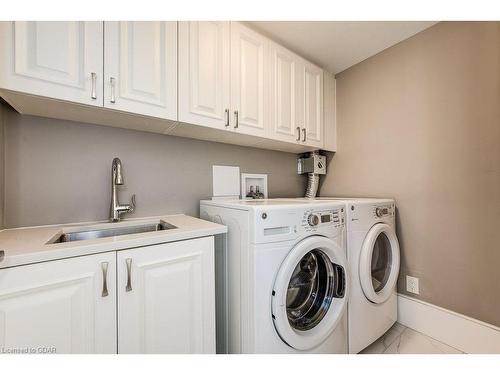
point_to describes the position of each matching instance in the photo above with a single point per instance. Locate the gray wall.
(59, 171)
(420, 122)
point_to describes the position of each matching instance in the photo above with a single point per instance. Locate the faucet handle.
(132, 204)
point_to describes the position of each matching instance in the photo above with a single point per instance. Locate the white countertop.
(29, 245)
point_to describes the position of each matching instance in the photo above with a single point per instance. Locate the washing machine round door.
(379, 263)
(310, 292)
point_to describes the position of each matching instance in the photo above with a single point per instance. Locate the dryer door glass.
(381, 262)
(310, 290)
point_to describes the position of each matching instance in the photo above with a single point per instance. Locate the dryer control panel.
(386, 210)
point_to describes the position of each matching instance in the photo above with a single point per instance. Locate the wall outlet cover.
(226, 181)
(412, 284)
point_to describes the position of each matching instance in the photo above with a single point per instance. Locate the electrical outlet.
(412, 284)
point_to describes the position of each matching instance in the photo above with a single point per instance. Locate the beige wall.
(420, 122)
(60, 171)
(2, 152)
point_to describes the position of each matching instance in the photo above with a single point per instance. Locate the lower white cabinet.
(166, 298)
(63, 306)
(161, 298)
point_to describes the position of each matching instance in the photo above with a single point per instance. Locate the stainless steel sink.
(111, 232)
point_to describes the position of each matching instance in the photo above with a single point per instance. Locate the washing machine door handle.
(339, 281)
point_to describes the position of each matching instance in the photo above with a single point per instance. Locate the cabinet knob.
(226, 114)
(303, 134)
(2, 255)
(298, 134)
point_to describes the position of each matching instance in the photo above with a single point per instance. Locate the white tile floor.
(403, 340)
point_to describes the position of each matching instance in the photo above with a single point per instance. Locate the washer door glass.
(309, 295)
(310, 290)
(381, 262)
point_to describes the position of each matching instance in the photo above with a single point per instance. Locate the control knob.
(379, 211)
(313, 220)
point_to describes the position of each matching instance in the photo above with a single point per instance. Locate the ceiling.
(337, 45)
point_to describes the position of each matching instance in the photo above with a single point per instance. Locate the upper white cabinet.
(61, 60)
(140, 68)
(329, 109)
(296, 92)
(286, 88)
(221, 80)
(63, 306)
(313, 105)
(166, 298)
(204, 73)
(249, 70)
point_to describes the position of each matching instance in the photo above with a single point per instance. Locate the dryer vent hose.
(312, 185)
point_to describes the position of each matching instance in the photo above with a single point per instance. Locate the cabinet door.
(313, 105)
(166, 298)
(249, 68)
(204, 73)
(140, 68)
(61, 60)
(59, 306)
(286, 95)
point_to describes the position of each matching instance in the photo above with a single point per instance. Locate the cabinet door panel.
(141, 68)
(285, 94)
(61, 60)
(59, 306)
(249, 52)
(170, 307)
(204, 73)
(313, 105)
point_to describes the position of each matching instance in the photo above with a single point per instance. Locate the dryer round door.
(379, 263)
(310, 292)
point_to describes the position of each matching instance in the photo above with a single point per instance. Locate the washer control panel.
(317, 219)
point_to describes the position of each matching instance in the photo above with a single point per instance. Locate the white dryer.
(281, 276)
(374, 256)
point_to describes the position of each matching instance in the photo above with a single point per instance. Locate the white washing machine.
(281, 276)
(374, 256)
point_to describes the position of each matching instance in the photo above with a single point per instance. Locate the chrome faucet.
(117, 179)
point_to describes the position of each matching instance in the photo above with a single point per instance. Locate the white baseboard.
(459, 331)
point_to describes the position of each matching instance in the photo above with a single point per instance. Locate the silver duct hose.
(312, 185)
(314, 164)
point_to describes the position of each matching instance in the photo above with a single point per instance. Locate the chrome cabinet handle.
(104, 268)
(303, 134)
(93, 93)
(226, 114)
(236, 119)
(128, 288)
(2, 255)
(298, 134)
(112, 81)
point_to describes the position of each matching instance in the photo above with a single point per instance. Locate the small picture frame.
(257, 182)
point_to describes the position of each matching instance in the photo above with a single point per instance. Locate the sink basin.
(111, 232)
